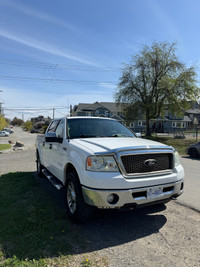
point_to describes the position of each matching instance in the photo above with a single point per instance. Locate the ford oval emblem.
(150, 162)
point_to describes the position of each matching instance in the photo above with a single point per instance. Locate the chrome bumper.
(132, 197)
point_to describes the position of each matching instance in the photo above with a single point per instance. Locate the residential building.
(166, 124)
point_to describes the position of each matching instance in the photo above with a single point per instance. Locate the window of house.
(88, 113)
(131, 125)
(106, 112)
(179, 124)
(141, 123)
(97, 112)
(174, 124)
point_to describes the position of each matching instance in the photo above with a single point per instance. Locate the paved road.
(12, 161)
(20, 135)
(191, 195)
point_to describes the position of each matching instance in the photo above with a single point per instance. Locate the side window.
(52, 126)
(60, 129)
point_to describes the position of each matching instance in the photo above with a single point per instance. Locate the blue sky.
(54, 54)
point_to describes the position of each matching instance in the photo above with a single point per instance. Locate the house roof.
(112, 106)
(185, 119)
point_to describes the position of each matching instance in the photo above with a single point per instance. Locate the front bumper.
(132, 197)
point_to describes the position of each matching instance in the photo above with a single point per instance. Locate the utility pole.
(53, 112)
(1, 109)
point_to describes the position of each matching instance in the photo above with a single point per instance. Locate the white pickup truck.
(100, 163)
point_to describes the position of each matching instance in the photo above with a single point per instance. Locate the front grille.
(147, 163)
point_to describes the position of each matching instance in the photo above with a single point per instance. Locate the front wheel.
(78, 211)
(193, 153)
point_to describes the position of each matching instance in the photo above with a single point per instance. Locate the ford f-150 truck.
(101, 163)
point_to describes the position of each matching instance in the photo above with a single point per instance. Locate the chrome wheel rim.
(71, 197)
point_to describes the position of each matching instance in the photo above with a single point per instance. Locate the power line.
(57, 65)
(34, 79)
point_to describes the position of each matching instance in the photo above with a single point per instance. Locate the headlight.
(101, 164)
(177, 158)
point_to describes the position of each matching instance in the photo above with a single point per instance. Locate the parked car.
(193, 150)
(10, 131)
(35, 131)
(4, 133)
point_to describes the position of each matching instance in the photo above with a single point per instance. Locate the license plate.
(154, 192)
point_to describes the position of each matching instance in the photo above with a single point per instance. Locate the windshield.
(84, 128)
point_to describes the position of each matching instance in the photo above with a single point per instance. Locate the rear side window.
(60, 129)
(52, 126)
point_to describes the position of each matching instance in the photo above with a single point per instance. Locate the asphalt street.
(191, 194)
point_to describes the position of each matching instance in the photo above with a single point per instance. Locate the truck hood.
(113, 144)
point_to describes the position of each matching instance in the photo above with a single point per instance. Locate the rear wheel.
(193, 153)
(78, 211)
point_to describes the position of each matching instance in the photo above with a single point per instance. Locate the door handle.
(50, 146)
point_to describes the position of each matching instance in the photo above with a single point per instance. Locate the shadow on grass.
(33, 223)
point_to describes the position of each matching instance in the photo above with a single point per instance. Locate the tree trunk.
(148, 130)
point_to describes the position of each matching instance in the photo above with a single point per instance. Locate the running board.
(58, 185)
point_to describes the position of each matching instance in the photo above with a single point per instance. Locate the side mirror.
(139, 135)
(52, 137)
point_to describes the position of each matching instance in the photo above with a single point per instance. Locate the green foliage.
(154, 81)
(28, 125)
(17, 122)
(179, 144)
(3, 123)
(44, 128)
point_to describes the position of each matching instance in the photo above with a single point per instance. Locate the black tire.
(77, 210)
(193, 152)
(39, 166)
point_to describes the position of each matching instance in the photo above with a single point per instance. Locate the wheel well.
(192, 148)
(70, 168)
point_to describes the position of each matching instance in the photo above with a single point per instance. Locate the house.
(98, 109)
(40, 121)
(166, 124)
(194, 114)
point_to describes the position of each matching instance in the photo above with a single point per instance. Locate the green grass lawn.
(34, 231)
(179, 144)
(5, 146)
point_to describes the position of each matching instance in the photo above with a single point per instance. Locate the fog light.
(112, 198)
(182, 185)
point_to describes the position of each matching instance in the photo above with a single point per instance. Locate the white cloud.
(44, 47)
(38, 14)
(108, 85)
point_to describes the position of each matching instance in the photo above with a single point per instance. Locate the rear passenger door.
(47, 147)
(58, 151)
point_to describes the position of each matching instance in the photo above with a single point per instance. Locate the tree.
(28, 125)
(3, 123)
(17, 122)
(155, 80)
